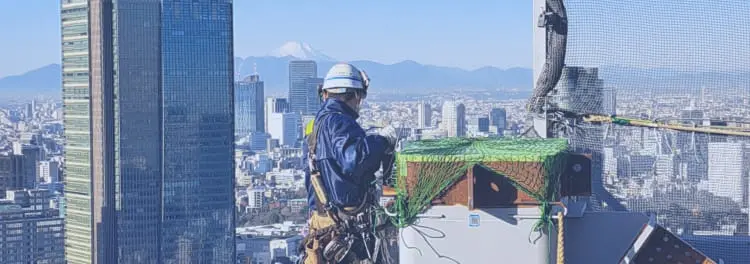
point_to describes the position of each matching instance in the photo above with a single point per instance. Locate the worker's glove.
(390, 135)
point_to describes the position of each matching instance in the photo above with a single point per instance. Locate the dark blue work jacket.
(346, 157)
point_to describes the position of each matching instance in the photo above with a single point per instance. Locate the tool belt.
(340, 241)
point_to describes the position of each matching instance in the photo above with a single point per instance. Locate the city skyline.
(161, 146)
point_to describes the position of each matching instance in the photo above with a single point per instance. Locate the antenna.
(239, 69)
(255, 68)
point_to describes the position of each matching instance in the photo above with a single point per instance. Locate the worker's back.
(346, 157)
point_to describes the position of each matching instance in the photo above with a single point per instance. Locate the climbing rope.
(560, 235)
(651, 124)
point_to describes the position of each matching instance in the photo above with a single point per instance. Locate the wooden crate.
(483, 186)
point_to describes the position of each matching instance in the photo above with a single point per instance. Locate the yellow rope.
(560, 234)
(651, 124)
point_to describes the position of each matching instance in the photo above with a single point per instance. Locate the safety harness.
(346, 222)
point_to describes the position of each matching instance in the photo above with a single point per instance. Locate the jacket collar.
(333, 105)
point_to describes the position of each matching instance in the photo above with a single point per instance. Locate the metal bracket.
(550, 19)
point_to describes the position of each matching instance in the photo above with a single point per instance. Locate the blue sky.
(467, 34)
(682, 34)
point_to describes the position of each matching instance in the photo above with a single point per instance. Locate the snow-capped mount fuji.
(300, 50)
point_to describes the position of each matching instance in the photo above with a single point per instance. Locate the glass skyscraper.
(249, 106)
(498, 119)
(198, 96)
(299, 72)
(313, 98)
(148, 114)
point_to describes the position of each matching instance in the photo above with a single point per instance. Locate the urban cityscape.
(184, 160)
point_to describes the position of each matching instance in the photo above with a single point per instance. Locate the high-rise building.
(258, 141)
(726, 172)
(580, 90)
(11, 172)
(610, 101)
(48, 171)
(424, 115)
(499, 119)
(255, 198)
(198, 131)
(454, 118)
(29, 111)
(31, 155)
(275, 105)
(147, 94)
(483, 124)
(249, 106)
(313, 98)
(299, 72)
(33, 230)
(285, 127)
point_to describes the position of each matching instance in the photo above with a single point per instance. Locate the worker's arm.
(359, 155)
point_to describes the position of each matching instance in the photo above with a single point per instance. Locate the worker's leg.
(313, 246)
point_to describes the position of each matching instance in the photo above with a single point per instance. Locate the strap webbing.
(321, 199)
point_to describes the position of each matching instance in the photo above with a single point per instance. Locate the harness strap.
(321, 199)
(322, 203)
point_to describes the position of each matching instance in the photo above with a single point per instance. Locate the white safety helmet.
(344, 77)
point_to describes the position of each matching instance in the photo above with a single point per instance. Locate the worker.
(345, 159)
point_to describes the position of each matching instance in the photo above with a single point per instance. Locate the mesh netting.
(666, 85)
(426, 169)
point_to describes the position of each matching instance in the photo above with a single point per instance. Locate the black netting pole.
(555, 20)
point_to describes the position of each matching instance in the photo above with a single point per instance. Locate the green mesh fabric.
(438, 164)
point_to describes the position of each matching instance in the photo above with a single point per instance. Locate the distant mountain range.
(407, 76)
(44, 82)
(273, 69)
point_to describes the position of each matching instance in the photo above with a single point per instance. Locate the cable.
(425, 236)
(560, 236)
(652, 124)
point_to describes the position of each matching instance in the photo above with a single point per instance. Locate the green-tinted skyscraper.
(148, 115)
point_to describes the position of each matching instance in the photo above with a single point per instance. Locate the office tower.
(198, 132)
(89, 216)
(610, 101)
(48, 171)
(31, 154)
(11, 172)
(29, 111)
(249, 100)
(147, 95)
(255, 198)
(258, 141)
(580, 90)
(483, 124)
(454, 118)
(726, 172)
(299, 71)
(285, 127)
(313, 98)
(33, 230)
(424, 115)
(693, 147)
(275, 105)
(498, 118)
